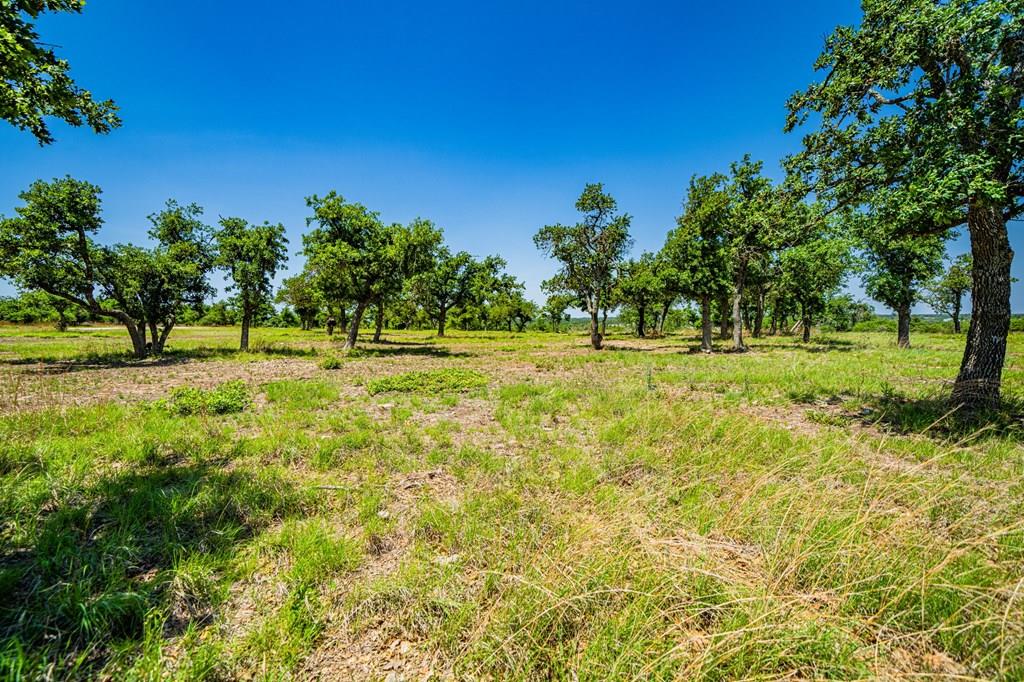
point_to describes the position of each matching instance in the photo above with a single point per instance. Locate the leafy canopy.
(252, 255)
(34, 83)
(590, 250)
(920, 112)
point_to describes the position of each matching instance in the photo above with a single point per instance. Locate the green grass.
(504, 506)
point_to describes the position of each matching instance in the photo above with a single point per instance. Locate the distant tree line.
(915, 130)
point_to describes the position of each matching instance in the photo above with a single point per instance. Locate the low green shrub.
(433, 381)
(229, 397)
(332, 362)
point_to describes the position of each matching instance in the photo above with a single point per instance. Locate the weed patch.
(432, 381)
(229, 397)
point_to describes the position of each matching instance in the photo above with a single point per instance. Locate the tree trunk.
(956, 315)
(981, 369)
(641, 312)
(805, 320)
(705, 324)
(441, 319)
(903, 326)
(343, 319)
(759, 315)
(154, 336)
(138, 338)
(246, 321)
(596, 337)
(164, 333)
(737, 321)
(379, 322)
(775, 322)
(353, 327)
(604, 322)
(667, 306)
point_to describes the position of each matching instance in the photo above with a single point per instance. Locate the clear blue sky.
(487, 118)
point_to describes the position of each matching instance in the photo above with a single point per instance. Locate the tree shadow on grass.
(418, 350)
(754, 346)
(939, 418)
(118, 359)
(115, 555)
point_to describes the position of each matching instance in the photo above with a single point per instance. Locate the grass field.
(504, 506)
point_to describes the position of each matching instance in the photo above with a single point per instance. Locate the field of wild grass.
(504, 506)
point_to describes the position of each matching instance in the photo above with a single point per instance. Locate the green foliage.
(554, 309)
(36, 83)
(300, 293)
(460, 283)
(842, 313)
(227, 398)
(811, 272)
(640, 286)
(897, 265)
(251, 254)
(354, 257)
(430, 381)
(946, 292)
(588, 252)
(37, 306)
(697, 248)
(156, 285)
(900, 130)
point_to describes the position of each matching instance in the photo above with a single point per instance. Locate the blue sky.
(487, 118)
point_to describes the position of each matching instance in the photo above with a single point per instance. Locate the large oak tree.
(919, 113)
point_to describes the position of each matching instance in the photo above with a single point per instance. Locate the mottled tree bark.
(903, 326)
(705, 324)
(246, 322)
(442, 318)
(759, 315)
(353, 328)
(723, 318)
(737, 322)
(981, 369)
(379, 326)
(596, 337)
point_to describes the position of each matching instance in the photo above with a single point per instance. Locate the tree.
(812, 272)
(920, 117)
(698, 247)
(49, 247)
(299, 293)
(751, 207)
(898, 266)
(414, 249)
(353, 255)
(447, 285)
(640, 287)
(946, 293)
(252, 255)
(589, 251)
(35, 83)
(156, 285)
(554, 309)
(843, 313)
(37, 306)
